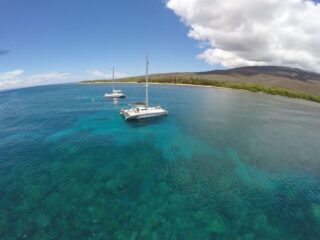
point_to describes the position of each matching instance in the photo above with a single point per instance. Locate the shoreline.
(248, 88)
(155, 83)
(168, 84)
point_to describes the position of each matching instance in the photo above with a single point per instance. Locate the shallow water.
(224, 164)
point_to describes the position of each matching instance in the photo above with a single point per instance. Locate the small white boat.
(115, 93)
(141, 110)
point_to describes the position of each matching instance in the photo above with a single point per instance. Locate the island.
(275, 80)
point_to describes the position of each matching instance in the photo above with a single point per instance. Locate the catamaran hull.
(142, 116)
(114, 96)
(151, 115)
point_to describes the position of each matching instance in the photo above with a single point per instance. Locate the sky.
(45, 41)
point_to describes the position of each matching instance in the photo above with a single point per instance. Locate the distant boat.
(115, 93)
(141, 110)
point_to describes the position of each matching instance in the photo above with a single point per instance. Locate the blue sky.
(53, 41)
(80, 35)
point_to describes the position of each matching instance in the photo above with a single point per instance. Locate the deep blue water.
(224, 164)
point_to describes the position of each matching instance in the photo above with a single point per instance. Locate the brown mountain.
(270, 76)
(276, 71)
(269, 79)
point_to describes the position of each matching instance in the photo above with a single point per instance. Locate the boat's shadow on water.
(146, 122)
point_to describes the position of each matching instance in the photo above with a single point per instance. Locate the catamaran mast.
(147, 72)
(113, 79)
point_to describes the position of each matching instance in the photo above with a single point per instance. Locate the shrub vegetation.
(227, 84)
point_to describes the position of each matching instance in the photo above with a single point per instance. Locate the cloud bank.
(246, 32)
(10, 78)
(96, 74)
(5, 76)
(17, 78)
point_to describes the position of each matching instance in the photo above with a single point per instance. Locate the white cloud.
(8, 84)
(246, 32)
(50, 77)
(97, 74)
(5, 76)
(17, 78)
(7, 79)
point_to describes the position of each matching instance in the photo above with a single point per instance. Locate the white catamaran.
(115, 93)
(141, 110)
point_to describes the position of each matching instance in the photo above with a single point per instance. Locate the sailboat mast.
(113, 78)
(147, 72)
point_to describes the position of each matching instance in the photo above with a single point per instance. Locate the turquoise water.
(224, 164)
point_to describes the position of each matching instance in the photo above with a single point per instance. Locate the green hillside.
(289, 82)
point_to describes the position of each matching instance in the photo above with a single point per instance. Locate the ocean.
(224, 164)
